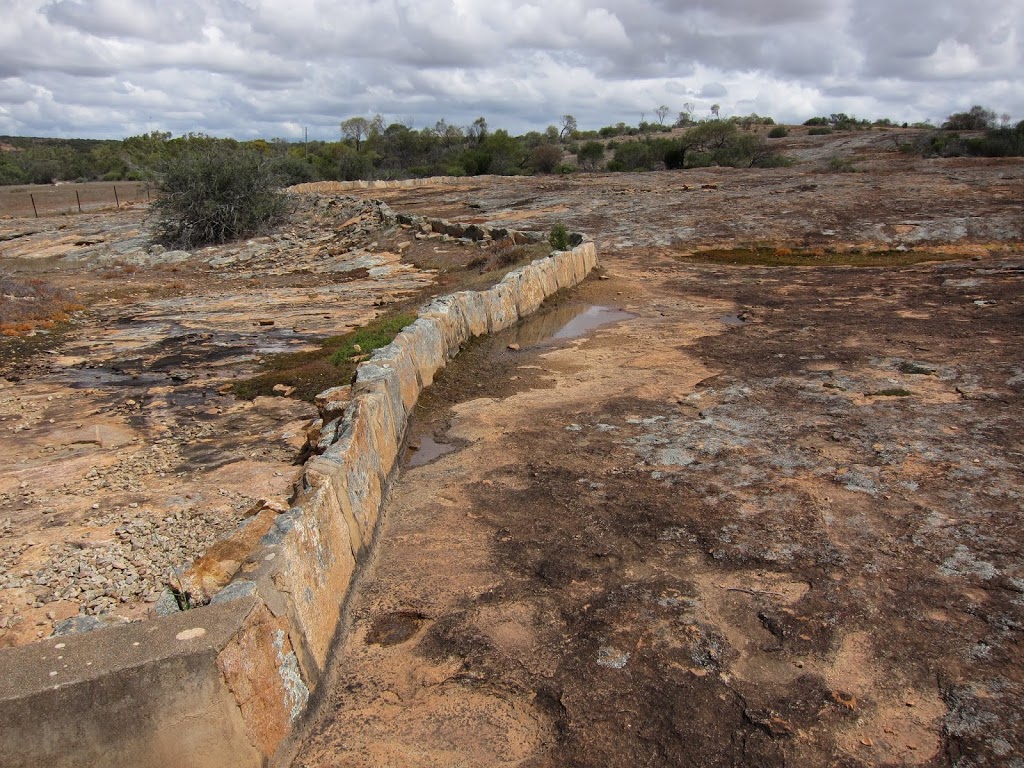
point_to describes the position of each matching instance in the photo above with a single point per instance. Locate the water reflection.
(568, 321)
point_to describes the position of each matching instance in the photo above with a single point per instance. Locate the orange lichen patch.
(25, 306)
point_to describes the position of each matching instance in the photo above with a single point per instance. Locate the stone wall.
(324, 187)
(223, 684)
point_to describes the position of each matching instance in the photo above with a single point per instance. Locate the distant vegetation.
(369, 148)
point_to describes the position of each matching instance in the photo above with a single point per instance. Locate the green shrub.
(778, 132)
(559, 237)
(821, 130)
(215, 194)
(632, 156)
(590, 155)
(841, 165)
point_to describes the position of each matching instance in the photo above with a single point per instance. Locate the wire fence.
(37, 201)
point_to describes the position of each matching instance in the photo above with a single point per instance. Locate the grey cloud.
(110, 66)
(713, 91)
(153, 20)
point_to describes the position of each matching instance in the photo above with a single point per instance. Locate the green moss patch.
(332, 364)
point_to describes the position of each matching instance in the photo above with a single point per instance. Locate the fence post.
(33, 199)
(79, 199)
(116, 201)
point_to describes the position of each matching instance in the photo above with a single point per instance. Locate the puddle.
(108, 378)
(427, 450)
(731, 320)
(569, 321)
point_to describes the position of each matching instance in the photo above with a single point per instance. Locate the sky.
(277, 68)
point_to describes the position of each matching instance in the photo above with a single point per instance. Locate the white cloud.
(271, 67)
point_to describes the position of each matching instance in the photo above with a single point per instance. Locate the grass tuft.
(333, 364)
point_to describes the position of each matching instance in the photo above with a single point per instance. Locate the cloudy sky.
(270, 68)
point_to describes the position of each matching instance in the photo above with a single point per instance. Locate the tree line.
(371, 148)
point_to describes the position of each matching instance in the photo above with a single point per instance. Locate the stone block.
(474, 310)
(501, 307)
(428, 348)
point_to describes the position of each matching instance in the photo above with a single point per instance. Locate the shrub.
(215, 194)
(778, 132)
(546, 158)
(821, 130)
(590, 155)
(841, 165)
(977, 119)
(559, 237)
(632, 156)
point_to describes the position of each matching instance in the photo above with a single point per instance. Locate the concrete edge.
(229, 690)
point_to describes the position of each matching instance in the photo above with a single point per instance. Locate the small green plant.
(377, 334)
(778, 132)
(559, 237)
(841, 165)
(820, 131)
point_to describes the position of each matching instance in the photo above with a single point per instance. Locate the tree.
(590, 155)
(568, 126)
(686, 115)
(478, 130)
(978, 118)
(662, 113)
(355, 129)
(715, 108)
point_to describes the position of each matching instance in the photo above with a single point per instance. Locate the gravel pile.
(143, 556)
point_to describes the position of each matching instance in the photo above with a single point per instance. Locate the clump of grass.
(891, 392)
(914, 369)
(25, 306)
(842, 165)
(377, 334)
(333, 364)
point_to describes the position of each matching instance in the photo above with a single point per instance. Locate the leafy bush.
(214, 194)
(632, 156)
(820, 131)
(590, 155)
(559, 237)
(546, 158)
(778, 132)
(976, 119)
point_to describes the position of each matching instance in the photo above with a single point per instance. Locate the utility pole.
(305, 143)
